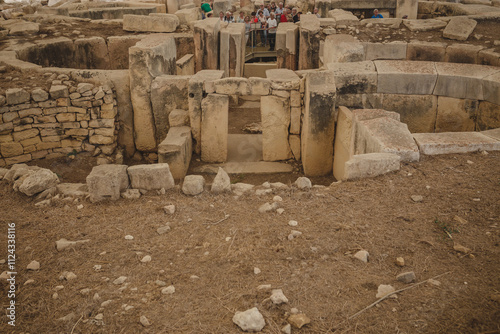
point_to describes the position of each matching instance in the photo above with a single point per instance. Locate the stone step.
(260, 167)
(244, 147)
(454, 142)
(493, 133)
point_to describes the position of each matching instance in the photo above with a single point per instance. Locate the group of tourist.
(264, 21)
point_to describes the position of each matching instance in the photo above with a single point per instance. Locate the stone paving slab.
(260, 167)
(454, 142)
(459, 28)
(493, 133)
(424, 25)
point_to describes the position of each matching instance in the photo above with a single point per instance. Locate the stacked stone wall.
(65, 120)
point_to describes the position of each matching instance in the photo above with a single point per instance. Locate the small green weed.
(446, 228)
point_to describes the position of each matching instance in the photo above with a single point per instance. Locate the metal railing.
(253, 49)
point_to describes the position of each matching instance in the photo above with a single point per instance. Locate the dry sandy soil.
(316, 270)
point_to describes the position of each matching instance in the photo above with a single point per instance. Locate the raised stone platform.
(454, 142)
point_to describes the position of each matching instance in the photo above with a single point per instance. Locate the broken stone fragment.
(63, 244)
(299, 320)
(406, 277)
(250, 320)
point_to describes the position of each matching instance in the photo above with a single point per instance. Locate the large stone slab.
(232, 49)
(151, 177)
(354, 78)
(341, 48)
(106, 182)
(386, 135)
(118, 50)
(405, 77)
(92, 52)
(491, 88)
(344, 142)
(206, 44)
(318, 129)
(275, 117)
(188, 15)
(287, 42)
(393, 50)
(214, 128)
(153, 56)
(456, 115)
(463, 81)
(459, 28)
(488, 116)
(371, 165)
(493, 133)
(176, 150)
(488, 57)
(283, 79)
(462, 53)
(424, 25)
(37, 181)
(417, 111)
(426, 51)
(309, 42)
(151, 23)
(454, 142)
(343, 17)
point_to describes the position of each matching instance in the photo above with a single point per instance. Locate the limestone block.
(493, 133)
(17, 96)
(206, 43)
(488, 57)
(454, 142)
(259, 86)
(354, 78)
(151, 177)
(424, 25)
(118, 50)
(463, 81)
(295, 120)
(309, 42)
(407, 7)
(417, 111)
(462, 53)
(287, 37)
(232, 49)
(106, 182)
(196, 91)
(154, 23)
(185, 65)
(405, 77)
(24, 28)
(92, 52)
(344, 142)
(459, 28)
(214, 128)
(149, 58)
(39, 95)
(340, 48)
(491, 88)
(101, 140)
(168, 92)
(393, 50)
(176, 150)
(385, 135)
(370, 165)
(275, 117)
(456, 115)
(22, 135)
(178, 117)
(426, 51)
(283, 79)
(343, 17)
(11, 149)
(232, 86)
(294, 141)
(188, 15)
(193, 185)
(318, 128)
(58, 91)
(18, 159)
(488, 115)
(37, 181)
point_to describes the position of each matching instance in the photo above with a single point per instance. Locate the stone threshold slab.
(260, 167)
(454, 142)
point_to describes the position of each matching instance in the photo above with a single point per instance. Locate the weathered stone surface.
(118, 50)
(39, 95)
(283, 79)
(92, 52)
(393, 50)
(354, 78)
(343, 17)
(407, 277)
(193, 185)
(206, 43)
(58, 91)
(37, 181)
(185, 65)
(488, 57)
(151, 57)
(454, 142)
(405, 77)
(344, 142)
(151, 177)
(463, 81)
(232, 86)
(424, 25)
(488, 115)
(408, 8)
(426, 51)
(250, 321)
(342, 48)
(214, 128)
(176, 150)
(318, 127)
(462, 53)
(386, 135)
(23, 28)
(299, 320)
(178, 117)
(221, 182)
(309, 41)
(295, 146)
(370, 165)
(275, 113)
(287, 42)
(11, 149)
(188, 15)
(152, 23)
(17, 96)
(456, 115)
(72, 189)
(232, 49)
(459, 28)
(491, 88)
(493, 133)
(417, 111)
(106, 182)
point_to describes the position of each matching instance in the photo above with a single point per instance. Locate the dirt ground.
(316, 270)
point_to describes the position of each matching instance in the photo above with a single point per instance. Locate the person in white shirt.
(241, 18)
(271, 30)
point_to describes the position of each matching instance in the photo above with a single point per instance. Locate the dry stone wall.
(66, 119)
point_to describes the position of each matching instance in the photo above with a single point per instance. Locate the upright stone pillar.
(214, 128)
(206, 44)
(232, 49)
(287, 36)
(309, 42)
(153, 56)
(275, 117)
(318, 127)
(323, 6)
(407, 7)
(221, 6)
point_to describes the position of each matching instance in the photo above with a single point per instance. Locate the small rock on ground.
(417, 198)
(34, 265)
(144, 321)
(303, 183)
(169, 290)
(362, 255)
(406, 277)
(299, 320)
(384, 290)
(250, 320)
(400, 262)
(193, 185)
(222, 182)
(169, 209)
(277, 297)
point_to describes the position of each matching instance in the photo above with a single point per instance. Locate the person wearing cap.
(376, 14)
